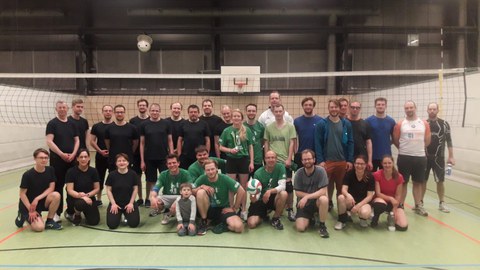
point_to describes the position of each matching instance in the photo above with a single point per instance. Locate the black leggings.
(133, 218)
(92, 215)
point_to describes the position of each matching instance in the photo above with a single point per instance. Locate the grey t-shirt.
(310, 183)
(334, 148)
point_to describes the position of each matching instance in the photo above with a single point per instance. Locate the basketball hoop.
(240, 84)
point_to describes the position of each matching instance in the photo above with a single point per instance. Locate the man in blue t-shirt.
(305, 127)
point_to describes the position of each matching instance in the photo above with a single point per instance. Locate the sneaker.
(98, 203)
(323, 231)
(57, 218)
(20, 220)
(202, 228)
(330, 206)
(220, 228)
(244, 215)
(77, 219)
(166, 219)
(291, 215)
(363, 223)
(67, 217)
(340, 225)
(147, 203)
(421, 211)
(391, 222)
(52, 225)
(277, 224)
(442, 206)
(154, 212)
(140, 202)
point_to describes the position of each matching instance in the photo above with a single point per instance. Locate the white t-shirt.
(412, 138)
(267, 117)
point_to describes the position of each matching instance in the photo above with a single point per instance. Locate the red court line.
(441, 223)
(8, 206)
(12, 234)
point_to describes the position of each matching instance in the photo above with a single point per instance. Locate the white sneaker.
(363, 223)
(165, 219)
(339, 225)
(57, 219)
(244, 215)
(443, 207)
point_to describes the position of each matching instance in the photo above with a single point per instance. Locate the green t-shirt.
(279, 139)
(222, 186)
(230, 138)
(258, 131)
(196, 170)
(270, 180)
(171, 183)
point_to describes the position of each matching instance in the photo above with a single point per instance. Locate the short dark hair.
(119, 106)
(309, 99)
(251, 104)
(142, 100)
(186, 185)
(201, 148)
(82, 150)
(125, 156)
(343, 99)
(193, 106)
(207, 100)
(306, 151)
(380, 99)
(40, 150)
(175, 156)
(334, 101)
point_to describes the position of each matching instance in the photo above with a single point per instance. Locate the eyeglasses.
(355, 107)
(119, 112)
(307, 159)
(360, 164)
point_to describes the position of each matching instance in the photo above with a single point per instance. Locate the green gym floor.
(440, 241)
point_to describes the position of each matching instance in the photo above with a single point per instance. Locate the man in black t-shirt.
(80, 122)
(37, 194)
(175, 121)
(226, 122)
(362, 142)
(193, 133)
(212, 121)
(63, 142)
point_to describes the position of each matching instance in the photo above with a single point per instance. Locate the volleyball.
(254, 186)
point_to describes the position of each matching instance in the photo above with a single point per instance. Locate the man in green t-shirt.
(273, 195)
(170, 180)
(201, 153)
(258, 131)
(212, 191)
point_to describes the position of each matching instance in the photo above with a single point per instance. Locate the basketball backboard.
(240, 79)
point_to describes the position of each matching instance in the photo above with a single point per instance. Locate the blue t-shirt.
(381, 130)
(305, 127)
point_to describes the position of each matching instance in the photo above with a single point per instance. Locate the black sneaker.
(220, 228)
(330, 206)
(323, 231)
(20, 220)
(68, 216)
(140, 202)
(147, 203)
(98, 203)
(52, 225)
(277, 224)
(77, 219)
(202, 228)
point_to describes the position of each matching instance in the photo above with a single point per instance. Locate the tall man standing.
(258, 131)
(193, 133)
(381, 126)
(175, 121)
(440, 130)
(212, 121)
(334, 147)
(80, 122)
(280, 137)
(62, 140)
(268, 116)
(411, 136)
(362, 142)
(97, 141)
(305, 127)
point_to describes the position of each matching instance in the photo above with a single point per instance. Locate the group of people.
(196, 169)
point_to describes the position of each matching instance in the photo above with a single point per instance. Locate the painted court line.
(12, 235)
(8, 206)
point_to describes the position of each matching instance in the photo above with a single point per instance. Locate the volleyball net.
(30, 98)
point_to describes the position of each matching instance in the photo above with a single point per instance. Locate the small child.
(186, 211)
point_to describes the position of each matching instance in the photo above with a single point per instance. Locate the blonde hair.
(242, 131)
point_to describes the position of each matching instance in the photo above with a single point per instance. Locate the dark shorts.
(152, 167)
(259, 208)
(437, 165)
(136, 163)
(308, 211)
(216, 216)
(40, 208)
(412, 166)
(237, 165)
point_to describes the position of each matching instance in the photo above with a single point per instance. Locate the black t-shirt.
(361, 133)
(82, 127)
(64, 134)
(36, 183)
(175, 128)
(212, 122)
(137, 122)
(98, 130)
(218, 132)
(122, 186)
(121, 140)
(358, 189)
(156, 139)
(193, 135)
(82, 181)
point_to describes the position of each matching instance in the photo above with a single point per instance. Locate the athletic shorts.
(167, 200)
(237, 165)
(259, 208)
(412, 166)
(216, 216)
(136, 163)
(309, 210)
(437, 164)
(40, 207)
(152, 168)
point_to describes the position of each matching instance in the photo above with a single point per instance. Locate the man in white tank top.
(411, 136)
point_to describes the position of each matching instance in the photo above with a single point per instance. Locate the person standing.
(411, 136)
(343, 108)
(441, 134)
(212, 121)
(334, 147)
(63, 142)
(97, 141)
(80, 122)
(155, 144)
(280, 137)
(175, 120)
(142, 106)
(305, 127)
(258, 131)
(268, 116)
(381, 126)
(193, 133)
(226, 122)
(362, 142)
